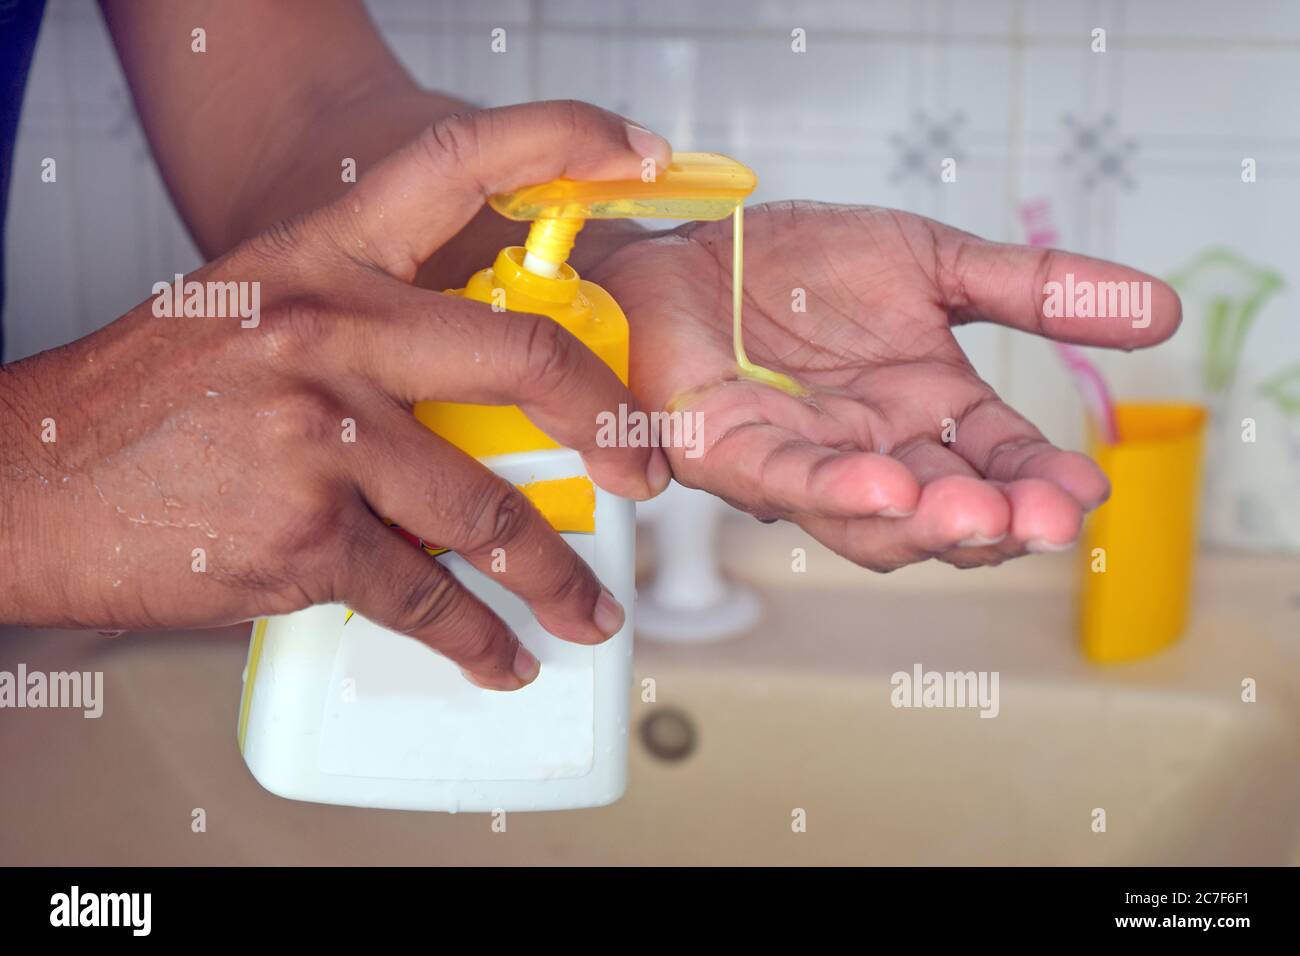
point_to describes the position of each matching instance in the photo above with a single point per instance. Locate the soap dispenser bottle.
(337, 709)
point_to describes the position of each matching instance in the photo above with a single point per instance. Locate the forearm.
(259, 127)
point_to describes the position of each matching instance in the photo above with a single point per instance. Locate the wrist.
(28, 526)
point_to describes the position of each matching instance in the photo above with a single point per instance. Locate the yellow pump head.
(695, 186)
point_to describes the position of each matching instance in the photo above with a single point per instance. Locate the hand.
(176, 434)
(861, 463)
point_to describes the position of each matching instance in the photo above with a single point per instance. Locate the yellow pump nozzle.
(695, 186)
(548, 245)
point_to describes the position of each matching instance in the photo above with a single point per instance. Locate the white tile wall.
(1184, 91)
(87, 248)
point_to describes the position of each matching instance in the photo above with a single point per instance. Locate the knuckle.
(549, 354)
(581, 119)
(315, 243)
(1043, 268)
(301, 325)
(497, 515)
(281, 240)
(304, 414)
(573, 581)
(430, 602)
(574, 113)
(454, 139)
(473, 643)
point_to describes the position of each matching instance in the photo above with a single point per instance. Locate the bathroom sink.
(792, 723)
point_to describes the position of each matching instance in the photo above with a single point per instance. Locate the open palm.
(901, 452)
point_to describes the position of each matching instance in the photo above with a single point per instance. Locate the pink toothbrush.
(1036, 216)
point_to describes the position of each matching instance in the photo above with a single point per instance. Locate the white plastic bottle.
(340, 710)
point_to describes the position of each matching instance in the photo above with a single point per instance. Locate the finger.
(770, 470)
(1002, 445)
(1045, 291)
(1043, 518)
(405, 590)
(440, 348)
(932, 461)
(438, 493)
(928, 459)
(952, 510)
(398, 215)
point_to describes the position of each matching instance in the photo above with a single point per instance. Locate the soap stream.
(747, 369)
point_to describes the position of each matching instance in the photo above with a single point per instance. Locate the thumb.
(1035, 289)
(398, 215)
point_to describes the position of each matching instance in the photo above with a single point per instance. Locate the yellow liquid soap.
(746, 369)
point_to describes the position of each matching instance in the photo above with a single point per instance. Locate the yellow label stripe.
(569, 504)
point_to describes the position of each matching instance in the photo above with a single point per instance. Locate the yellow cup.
(1140, 546)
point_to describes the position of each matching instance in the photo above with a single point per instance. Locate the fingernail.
(1105, 497)
(1043, 546)
(608, 616)
(526, 666)
(649, 145)
(657, 473)
(979, 541)
(473, 679)
(892, 512)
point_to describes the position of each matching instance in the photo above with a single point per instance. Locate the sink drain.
(668, 734)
